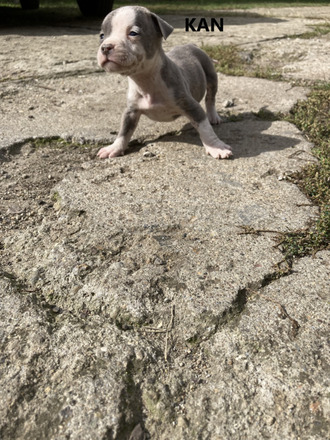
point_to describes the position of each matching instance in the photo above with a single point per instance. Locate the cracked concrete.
(134, 305)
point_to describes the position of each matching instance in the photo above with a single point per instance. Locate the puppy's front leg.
(213, 145)
(128, 124)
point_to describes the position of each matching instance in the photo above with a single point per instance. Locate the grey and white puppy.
(161, 86)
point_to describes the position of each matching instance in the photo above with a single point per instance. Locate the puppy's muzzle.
(107, 48)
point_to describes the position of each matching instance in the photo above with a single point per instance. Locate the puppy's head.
(130, 36)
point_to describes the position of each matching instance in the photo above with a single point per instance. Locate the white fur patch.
(122, 21)
(213, 145)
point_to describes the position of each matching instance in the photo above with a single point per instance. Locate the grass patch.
(50, 13)
(312, 118)
(231, 61)
(228, 59)
(317, 32)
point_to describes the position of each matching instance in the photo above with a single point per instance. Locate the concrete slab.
(279, 346)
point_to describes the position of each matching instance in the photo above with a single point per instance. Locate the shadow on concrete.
(245, 142)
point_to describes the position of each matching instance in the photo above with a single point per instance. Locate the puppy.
(160, 86)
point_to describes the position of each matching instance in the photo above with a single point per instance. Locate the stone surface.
(272, 363)
(139, 297)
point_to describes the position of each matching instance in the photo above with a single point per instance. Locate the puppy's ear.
(164, 28)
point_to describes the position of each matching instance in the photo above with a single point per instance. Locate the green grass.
(50, 13)
(312, 118)
(231, 61)
(318, 31)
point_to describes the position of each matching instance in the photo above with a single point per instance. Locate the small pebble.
(148, 154)
(228, 103)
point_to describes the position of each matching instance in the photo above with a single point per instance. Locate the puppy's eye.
(133, 34)
(101, 37)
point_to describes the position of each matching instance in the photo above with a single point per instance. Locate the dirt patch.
(28, 173)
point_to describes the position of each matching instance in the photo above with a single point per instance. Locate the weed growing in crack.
(312, 118)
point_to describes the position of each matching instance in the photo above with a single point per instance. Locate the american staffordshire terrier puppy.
(160, 86)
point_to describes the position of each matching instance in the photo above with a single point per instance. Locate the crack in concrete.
(55, 75)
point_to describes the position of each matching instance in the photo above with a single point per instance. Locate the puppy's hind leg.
(211, 91)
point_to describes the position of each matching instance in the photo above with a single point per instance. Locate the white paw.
(223, 152)
(110, 151)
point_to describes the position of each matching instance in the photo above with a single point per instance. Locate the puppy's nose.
(106, 48)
